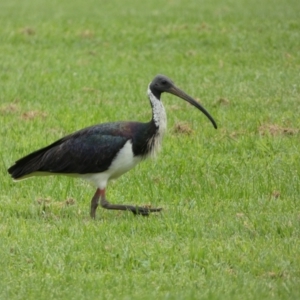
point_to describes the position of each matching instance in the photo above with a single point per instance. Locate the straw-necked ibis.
(106, 151)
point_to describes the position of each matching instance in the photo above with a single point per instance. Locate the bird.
(106, 151)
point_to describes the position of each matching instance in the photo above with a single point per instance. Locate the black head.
(162, 83)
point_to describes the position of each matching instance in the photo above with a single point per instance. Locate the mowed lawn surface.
(230, 228)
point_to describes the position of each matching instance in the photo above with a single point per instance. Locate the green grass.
(230, 228)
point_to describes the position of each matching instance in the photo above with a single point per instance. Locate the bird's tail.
(26, 165)
(31, 163)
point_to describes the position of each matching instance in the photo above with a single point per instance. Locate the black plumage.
(89, 150)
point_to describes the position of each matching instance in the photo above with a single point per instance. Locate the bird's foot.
(144, 211)
(136, 210)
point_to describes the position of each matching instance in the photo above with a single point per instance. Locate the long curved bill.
(181, 94)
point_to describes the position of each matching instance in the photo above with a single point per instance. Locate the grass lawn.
(230, 228)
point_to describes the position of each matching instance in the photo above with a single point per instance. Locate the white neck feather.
(160, 120)
(159, 113)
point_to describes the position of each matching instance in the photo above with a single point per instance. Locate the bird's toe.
(145, 211)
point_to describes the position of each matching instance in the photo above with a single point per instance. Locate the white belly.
(123, 162)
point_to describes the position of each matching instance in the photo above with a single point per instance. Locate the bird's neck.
(159, 116)
(159, 120)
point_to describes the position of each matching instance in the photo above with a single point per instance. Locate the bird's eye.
(164, 82)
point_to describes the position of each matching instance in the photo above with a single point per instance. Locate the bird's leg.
(95, 203)
(137, 210)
